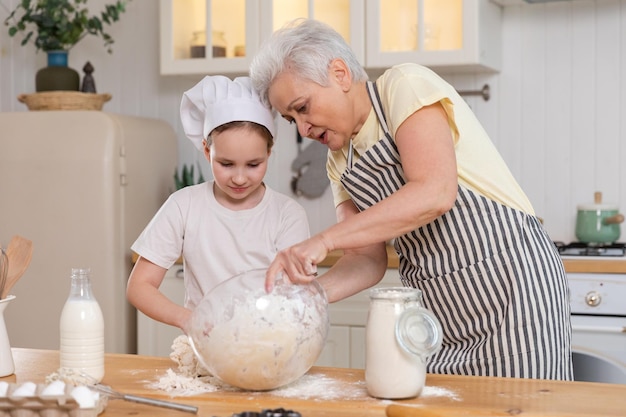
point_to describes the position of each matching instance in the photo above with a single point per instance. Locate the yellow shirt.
(403, 90)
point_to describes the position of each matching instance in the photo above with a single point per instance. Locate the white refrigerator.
(81, 185)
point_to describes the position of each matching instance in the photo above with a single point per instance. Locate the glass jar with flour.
(400, 336)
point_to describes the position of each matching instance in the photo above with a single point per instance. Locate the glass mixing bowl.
(258, 341)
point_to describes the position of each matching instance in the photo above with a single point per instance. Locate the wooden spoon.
(19, 252)
(398, 410)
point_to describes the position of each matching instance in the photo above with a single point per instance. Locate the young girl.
(222, 227)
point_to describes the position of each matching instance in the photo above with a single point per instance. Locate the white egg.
(4, 387)
(85, 397)
(54, 388)
(27, 389)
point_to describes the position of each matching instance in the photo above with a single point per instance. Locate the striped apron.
(489, 273)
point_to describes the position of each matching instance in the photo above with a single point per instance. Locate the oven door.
(599, 348)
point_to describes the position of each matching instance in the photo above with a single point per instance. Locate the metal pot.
(598, 223)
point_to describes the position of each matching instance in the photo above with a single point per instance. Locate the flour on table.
(322, 387)
(429, 391)
(190, 378)
(69, 376)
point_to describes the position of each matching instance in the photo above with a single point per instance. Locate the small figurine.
(89, 84)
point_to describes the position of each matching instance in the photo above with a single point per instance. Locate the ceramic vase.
(7, 366)
(57, 76)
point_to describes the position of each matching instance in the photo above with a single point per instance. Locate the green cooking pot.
(598, 223)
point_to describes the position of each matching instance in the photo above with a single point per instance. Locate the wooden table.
(463, 396)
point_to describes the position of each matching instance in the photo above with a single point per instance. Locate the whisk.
(111, 393)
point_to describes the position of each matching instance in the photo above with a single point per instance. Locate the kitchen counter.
(344, 395)
(333, 256)
(595, 264)
(588, 264)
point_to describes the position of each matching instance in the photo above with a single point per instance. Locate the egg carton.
(19, 402)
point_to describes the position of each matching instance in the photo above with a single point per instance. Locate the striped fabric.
(488, 272)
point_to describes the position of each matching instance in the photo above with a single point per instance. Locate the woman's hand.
(298, 262)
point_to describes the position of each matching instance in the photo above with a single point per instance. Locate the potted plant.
(54, 27)
(187, 177)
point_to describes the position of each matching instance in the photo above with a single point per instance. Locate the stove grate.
(586, 249)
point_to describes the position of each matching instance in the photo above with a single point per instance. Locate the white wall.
(561, 100)
(556, 111)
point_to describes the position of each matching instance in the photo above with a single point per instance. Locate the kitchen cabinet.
(236, 28)
(187, 26)
(446, 35)
(518, 2)
(345, 345)
(155, 338)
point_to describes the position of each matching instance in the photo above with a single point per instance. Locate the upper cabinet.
(229, 27)
(446, 35)
(345, 16)
(234, 30)
(441, 34)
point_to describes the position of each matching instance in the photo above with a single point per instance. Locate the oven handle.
(599, 329)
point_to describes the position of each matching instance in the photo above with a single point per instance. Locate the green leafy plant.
(54, 25)
(187, 177)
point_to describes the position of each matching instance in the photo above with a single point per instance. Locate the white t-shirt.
(217, 243)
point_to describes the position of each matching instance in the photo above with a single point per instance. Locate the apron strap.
(378, 106)
(372, 91)
(350, 155)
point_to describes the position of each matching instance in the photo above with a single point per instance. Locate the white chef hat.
(217, 100)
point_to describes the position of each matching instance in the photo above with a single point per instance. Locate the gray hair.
(308, 46)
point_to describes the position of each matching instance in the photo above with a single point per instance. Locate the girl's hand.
(185, 321)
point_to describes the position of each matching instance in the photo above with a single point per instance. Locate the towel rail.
(484, 92)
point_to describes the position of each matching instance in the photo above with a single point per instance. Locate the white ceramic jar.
(400, 335)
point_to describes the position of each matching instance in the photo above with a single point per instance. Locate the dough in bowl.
(259, 341)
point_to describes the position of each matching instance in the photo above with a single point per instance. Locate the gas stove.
(585, 249)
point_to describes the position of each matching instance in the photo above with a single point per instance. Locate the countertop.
(444, 395)
(587, 264)
(584, 264)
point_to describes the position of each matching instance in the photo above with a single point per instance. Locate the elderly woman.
(409, 160)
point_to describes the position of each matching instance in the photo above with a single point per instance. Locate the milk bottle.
(400, 335)
(82, 328)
